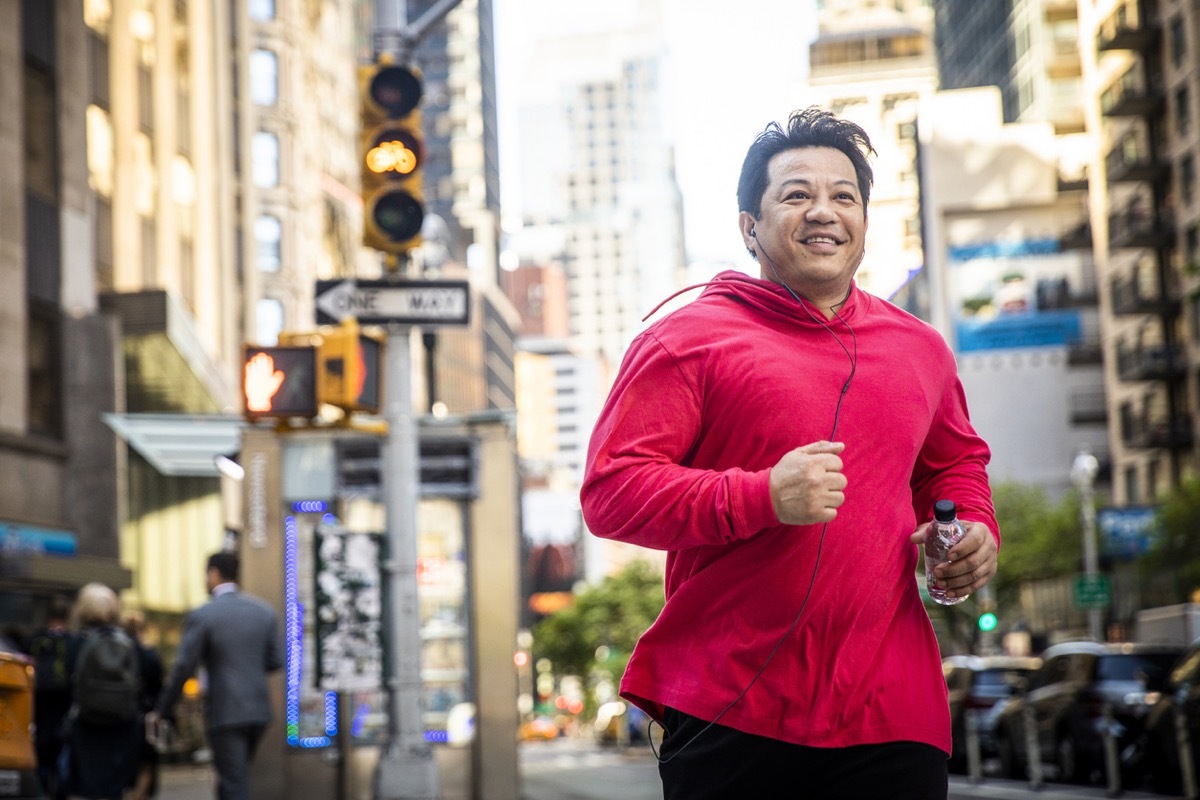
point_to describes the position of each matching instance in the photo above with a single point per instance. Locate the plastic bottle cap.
(945, 511)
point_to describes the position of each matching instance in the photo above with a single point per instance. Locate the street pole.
(1083, 475)
(407, 768)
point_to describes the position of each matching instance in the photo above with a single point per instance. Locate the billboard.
(1014, 294)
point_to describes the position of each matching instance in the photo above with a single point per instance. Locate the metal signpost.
(406, 770)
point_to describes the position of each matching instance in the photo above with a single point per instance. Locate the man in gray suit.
(237, 639)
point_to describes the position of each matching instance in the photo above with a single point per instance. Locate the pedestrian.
(53, 649)
(236, 638)
(102, 730)
(150, 670)
(784, 439)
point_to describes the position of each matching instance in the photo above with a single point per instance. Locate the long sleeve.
(638, 487)
(952, 464)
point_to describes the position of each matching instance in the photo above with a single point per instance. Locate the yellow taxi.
(18, 763)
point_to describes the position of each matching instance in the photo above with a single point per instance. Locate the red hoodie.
(707, 400)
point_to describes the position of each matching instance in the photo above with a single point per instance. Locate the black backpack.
(51, 653)
(106, 679)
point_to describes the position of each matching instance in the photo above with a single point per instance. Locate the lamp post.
(1083, 475)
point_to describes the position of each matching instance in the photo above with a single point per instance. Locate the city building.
(595, 161)
(1139, 67)
(872, 63)
(1017, 307)
(1027, 48)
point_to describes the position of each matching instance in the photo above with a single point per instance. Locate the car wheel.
(1009, 765)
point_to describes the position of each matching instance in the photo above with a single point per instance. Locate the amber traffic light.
(392, 155)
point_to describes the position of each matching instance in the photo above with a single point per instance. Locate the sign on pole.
(1092, 591)
(401, 302)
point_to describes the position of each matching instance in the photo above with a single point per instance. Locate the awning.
(180, 444)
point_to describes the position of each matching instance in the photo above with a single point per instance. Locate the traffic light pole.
(407, 769)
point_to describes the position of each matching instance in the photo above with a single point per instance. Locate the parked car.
(1158, 749)
(18, 762)
(981, 685)
(1068, 696)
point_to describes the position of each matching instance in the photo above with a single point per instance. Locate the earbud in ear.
(753, 234)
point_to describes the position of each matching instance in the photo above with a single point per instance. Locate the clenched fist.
(807, 485)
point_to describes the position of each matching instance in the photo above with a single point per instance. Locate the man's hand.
(972, 561)
(807, 484)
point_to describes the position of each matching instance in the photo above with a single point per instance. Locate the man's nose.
(821, 210)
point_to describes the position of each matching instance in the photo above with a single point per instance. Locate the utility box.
(1178, 624)
(311, 545)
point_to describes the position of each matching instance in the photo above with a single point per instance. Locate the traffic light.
(348, 368)
(987, 622)
(392, 156)
(279, 381)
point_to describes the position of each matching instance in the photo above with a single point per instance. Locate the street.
(576, 769)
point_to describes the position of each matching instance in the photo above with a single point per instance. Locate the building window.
(261, 10)
(268, 320)
(1178, 41)
(264, 152)
(1183, 110)
(268, 234)
(1194, 318)
(45, 383)
(264, 77)
(1187, 179)
(1131, 485)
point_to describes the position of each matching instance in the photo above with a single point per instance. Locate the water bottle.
(945, 532)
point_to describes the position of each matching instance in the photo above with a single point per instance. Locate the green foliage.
(1170, 571)
(613, 613)
(1039, 538)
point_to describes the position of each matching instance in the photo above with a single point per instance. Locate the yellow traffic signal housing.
(391, 157)
(279, 381)
(349, 368)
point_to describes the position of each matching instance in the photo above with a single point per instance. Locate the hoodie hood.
(769, 298)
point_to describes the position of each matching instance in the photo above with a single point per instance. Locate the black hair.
(811, 127)
(225, 562)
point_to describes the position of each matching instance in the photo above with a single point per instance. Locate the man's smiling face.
(812, 227)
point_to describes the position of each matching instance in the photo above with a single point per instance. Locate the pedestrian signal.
(349, 364)
(279, 381)
(392, 156)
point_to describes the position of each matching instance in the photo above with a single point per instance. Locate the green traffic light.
(987, 622)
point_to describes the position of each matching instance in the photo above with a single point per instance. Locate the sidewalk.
(185, 782)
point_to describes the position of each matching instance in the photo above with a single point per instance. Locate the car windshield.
(1149, 669)
(998, 682)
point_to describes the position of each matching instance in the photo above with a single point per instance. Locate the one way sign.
(403, 302)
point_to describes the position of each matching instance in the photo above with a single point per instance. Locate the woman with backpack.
(103, 740)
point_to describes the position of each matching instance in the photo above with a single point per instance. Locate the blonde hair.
(96, 605)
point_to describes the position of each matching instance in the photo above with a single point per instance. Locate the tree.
(612, 614)
(1170, 570)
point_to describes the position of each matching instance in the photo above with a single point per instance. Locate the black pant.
(724, 763)
(233, 752)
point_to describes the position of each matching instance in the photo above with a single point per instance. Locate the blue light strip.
(293, 629)
(331, 714)
(437, 737)
(294, 634)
